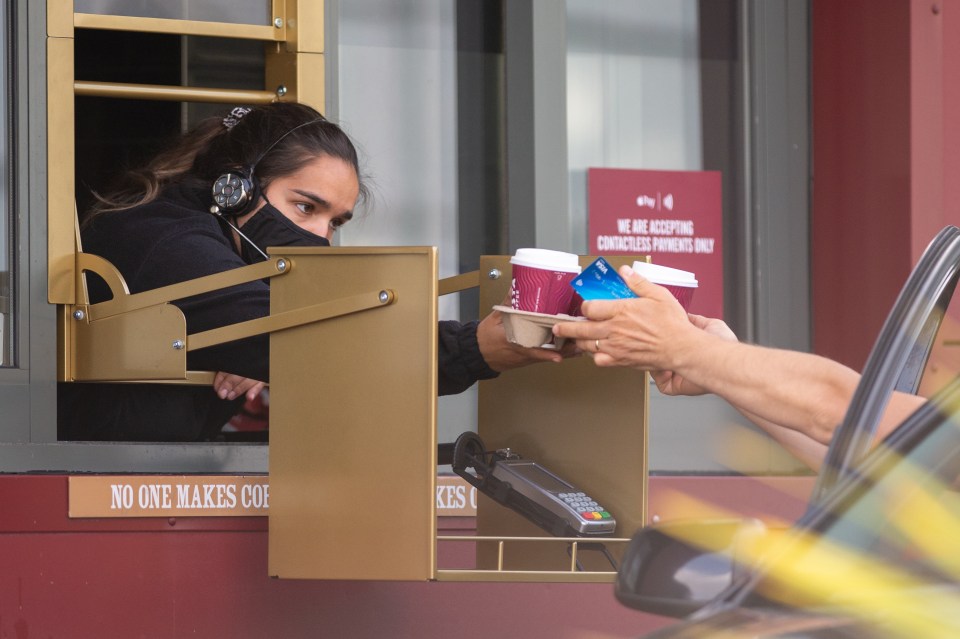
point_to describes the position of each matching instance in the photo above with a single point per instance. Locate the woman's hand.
(228, 386)
(502, 355)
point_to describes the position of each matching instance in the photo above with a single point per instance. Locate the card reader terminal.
(535, 492)
(537, 483)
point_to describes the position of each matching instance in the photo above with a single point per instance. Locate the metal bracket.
(123, 301)
(307, 315)
(142, 336)
(459, 283)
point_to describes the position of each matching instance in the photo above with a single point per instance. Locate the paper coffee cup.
(541, 280)
(681, 283)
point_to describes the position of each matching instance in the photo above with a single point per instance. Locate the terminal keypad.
(586, 506)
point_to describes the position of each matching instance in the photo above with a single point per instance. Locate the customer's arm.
(803, 447)
(812, 452)
(777, 389)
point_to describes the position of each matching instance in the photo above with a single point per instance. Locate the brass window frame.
(295, 62)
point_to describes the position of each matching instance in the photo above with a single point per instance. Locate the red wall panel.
(207, 577)
(886, 155)
(861, 167)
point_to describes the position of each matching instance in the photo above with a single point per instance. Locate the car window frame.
(897, 359)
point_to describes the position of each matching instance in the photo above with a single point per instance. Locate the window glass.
(633, 87)
(397, 98)
(884, 522)
(652, 84)
(885, 531)
(232, 11)
(6, 210)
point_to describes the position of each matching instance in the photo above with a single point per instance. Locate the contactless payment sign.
(675, 217)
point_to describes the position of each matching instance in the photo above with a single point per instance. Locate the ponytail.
(143, 185)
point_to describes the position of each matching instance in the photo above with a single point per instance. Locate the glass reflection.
(230, 11)
(6, 211)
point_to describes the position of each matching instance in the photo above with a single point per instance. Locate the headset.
(235, 192)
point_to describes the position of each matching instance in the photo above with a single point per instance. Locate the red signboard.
(676, 217)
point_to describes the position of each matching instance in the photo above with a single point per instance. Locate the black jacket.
(174, 239)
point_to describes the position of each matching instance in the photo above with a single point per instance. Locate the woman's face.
(318, 198)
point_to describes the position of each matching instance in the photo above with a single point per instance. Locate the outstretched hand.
(638, 332)
(672, 383)
(651, 332)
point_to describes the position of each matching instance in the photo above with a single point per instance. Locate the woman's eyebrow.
(319, 201)
(322, 203)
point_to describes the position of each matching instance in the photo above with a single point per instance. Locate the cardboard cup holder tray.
(533, 329)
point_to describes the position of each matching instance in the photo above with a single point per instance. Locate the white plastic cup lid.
(547, 259)
(660, 274)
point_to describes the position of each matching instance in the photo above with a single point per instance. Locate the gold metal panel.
(353, 419)
(65, 340)
(193, 378)
(181, 27)
(105, 270)
(507, 546)
(459, 283)
(526, 576)
(305, 26)
(587, 424)
(135, 345)
(172, 93)
(60, 172)
(60, 18)
(302, 74)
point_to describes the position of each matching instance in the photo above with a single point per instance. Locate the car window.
(896, 526)
(898, 358)
(898, 520)
(944, 361)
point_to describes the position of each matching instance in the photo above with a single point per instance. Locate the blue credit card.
(600, 281)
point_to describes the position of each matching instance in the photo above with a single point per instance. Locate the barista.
(274, 175)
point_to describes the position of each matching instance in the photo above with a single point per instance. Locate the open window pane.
(6, 209)
(232, 11)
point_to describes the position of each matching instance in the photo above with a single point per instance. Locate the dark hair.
(281, 138)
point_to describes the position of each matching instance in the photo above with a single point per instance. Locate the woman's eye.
(304, 207)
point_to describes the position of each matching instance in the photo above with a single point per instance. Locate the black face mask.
(270, 227)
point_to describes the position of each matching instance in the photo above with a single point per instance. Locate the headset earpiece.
(233, 193)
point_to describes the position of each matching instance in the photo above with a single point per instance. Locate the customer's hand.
(651, 332)
(639, 332)
(228, 386)
(671, 383)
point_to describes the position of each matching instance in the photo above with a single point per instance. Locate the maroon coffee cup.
(541, 280)
(683, 284)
